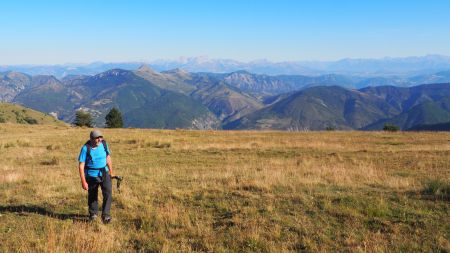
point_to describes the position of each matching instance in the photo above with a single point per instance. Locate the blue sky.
(54, 32)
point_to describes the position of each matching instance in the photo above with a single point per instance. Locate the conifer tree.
(114, 118)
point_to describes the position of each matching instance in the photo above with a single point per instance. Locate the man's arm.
(109, 163)
(84, 184)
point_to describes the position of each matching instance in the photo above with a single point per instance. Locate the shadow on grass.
(24, 209)
(424, 195)
(435, 190)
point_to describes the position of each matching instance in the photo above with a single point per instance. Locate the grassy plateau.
(229, 191)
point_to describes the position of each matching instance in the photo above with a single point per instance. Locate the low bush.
(390, 128)
(30, 120)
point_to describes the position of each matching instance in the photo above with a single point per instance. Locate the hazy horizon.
(206, 58)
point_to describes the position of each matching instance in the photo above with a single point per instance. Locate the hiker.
(95, 168)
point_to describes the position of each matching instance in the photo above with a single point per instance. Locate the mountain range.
(385, 67)
(334, 107)
(237, 100)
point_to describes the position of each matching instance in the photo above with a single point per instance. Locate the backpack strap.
(88, 152)
(105, 146)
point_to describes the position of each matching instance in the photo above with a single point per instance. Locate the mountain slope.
(272, 85)
(12, 113)
(439, 77)
(146, 105)
(383, 81)
(431, 127)
(318, 108)
(171, 110)
(11, 84)
(405, 98)
(142, 103)
(176, 80)
(427, 113)
(237, 100)
(369, 108)
(51, 96)
(227, 103)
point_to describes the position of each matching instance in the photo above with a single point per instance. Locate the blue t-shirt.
(97, 162)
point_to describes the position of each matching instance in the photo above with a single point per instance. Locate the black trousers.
(106, 186)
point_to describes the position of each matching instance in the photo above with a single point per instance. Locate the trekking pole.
(119, 180)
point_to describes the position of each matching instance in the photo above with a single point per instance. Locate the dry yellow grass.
(226, 191)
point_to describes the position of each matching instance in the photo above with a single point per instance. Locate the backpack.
(88, 151)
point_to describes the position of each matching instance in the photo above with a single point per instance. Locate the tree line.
(112, 120)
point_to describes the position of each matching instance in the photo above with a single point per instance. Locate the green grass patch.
(437, 188)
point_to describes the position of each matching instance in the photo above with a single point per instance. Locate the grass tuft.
(53, 147)
(437, 188)
(9, 145)
(158, 144)
(23, 143)
(134, 141)
(51, 162)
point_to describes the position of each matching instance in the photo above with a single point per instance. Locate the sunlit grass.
(225, 191)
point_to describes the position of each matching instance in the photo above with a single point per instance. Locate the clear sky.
(69, 31)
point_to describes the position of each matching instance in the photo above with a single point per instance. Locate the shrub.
(30, 120)
(83, 118)
(390, 127)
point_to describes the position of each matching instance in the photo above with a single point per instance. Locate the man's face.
(96, 141)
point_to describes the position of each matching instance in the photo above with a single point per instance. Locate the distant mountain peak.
(44, 79)
(146, 68)
(113, 72)
(14, 75)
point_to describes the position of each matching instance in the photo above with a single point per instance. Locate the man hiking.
(95, 168)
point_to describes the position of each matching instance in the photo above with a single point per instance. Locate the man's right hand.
(85, 186)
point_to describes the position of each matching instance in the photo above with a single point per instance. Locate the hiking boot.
(92, 217)
(106, 219)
